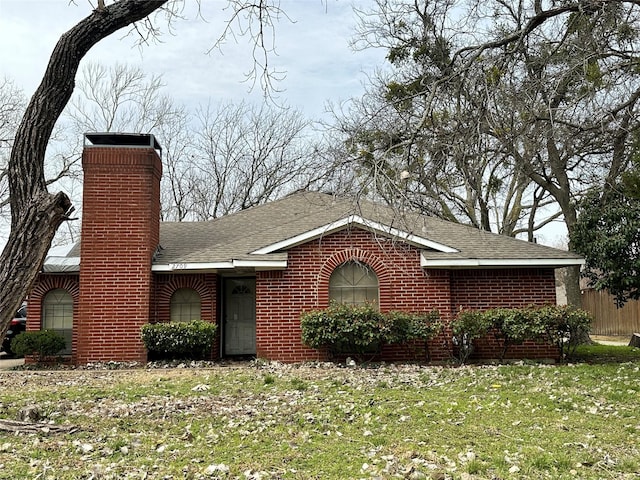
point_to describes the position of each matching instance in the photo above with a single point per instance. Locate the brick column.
(120, 234)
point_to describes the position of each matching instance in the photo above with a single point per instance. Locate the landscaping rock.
(30, 413)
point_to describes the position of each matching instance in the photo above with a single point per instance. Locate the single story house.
(254, 272)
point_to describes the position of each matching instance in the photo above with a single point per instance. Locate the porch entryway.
(239, 316)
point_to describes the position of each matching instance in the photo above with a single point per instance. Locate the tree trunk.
(572, 279)
(35, 213)
(572, 286)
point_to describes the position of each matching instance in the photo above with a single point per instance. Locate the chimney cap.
(110, 139)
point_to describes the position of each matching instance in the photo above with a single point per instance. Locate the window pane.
(57, 315)
(185, 305)
(353, 283)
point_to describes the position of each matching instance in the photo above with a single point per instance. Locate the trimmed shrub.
(344, 328)
(513, 326)
(563, 326)
(41, 344)
(407, 327)
(467, 326)
(179, 340)
(362, 329)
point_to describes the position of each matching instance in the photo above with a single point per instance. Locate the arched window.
(57, 315)
(185, 305)
(354, 284)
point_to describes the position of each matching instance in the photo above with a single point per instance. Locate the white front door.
(240, 316)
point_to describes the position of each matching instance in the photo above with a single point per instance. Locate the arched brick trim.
(47, 283)
(199, 283)
(358, 255)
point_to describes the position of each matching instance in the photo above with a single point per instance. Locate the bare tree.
(12, 105)
(123, 98)
(248, 154)
(176, 201)
(548, 90)
(60, 164)
(36, 214)
(225, 159)
(120, 98)
(234, 157)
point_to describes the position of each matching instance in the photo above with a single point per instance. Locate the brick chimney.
(120, 234)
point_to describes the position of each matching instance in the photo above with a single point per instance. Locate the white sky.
(312, 47)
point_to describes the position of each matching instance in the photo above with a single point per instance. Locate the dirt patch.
(7, 363)
(611, 340)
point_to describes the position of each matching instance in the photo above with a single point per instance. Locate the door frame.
(223, 312)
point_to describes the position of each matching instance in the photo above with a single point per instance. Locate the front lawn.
(264, 421)
(597, 353)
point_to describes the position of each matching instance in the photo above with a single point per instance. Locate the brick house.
(255, 271)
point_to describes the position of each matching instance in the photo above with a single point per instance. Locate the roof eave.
(61, 265)
(353, 220)
(499, 262)
(190, 267)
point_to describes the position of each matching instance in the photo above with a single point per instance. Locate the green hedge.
(467, 326)
(179, 340)
(41, 344)
(563, 326)
(363, 330)
(407, 327)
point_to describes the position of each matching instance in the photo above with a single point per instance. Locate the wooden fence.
(608, 319)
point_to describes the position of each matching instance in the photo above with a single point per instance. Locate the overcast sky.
(312, 47)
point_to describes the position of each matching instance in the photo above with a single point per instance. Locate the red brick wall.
(304, 285)
(404, 285)
(508, 288)
(205, 284)
(120, 233)
(482, 289)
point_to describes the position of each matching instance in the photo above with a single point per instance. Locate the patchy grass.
(598, 353)
(264, 421)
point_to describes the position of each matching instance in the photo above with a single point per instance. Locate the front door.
(240, 316)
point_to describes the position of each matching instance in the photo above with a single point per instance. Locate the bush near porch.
(179, 340)
(42, 345)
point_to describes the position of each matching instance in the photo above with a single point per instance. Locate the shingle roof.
(293, 219)
(236, 236)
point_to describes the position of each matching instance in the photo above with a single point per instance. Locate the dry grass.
(271, 421)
